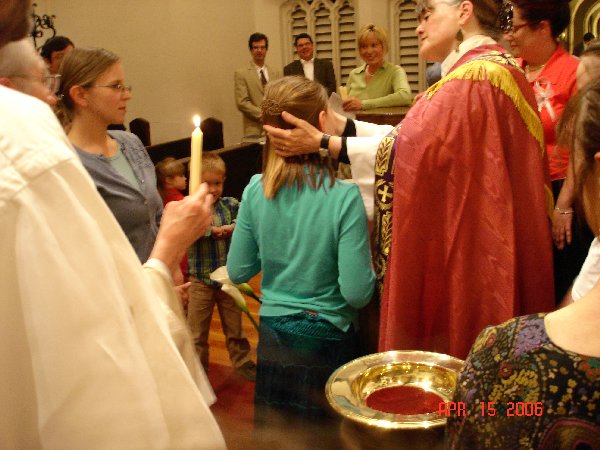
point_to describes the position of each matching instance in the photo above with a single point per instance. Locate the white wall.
(180, 55)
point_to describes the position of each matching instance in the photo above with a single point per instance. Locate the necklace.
(369, 72)
(529, 68)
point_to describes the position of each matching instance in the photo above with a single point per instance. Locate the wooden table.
(383, 116)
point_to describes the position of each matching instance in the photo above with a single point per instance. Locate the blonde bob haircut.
(304, 99)
(371, 30)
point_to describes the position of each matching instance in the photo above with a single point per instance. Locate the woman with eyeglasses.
(533, 34)
(93, 95)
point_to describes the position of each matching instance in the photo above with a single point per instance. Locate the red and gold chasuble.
(470, 240)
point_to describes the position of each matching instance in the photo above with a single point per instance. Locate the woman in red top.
(533, 37)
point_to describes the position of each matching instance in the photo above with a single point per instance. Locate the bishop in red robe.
(470, 236)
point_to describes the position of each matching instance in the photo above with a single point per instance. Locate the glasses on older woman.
(51, 82)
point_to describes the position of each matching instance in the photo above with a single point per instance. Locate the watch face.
(323, 152)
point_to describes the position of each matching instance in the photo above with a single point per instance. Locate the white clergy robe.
(88, 360)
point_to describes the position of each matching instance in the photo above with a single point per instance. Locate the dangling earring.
(459, 37)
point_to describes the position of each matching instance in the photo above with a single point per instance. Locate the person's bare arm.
(562, 222)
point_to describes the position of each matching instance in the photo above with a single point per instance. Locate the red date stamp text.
(508, 409)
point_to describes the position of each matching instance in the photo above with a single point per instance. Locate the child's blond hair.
(212, 162)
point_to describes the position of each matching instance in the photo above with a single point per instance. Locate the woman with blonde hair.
(93, 95)
(377, 83)
(307, 232)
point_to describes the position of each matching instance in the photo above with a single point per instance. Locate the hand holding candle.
(196, 156)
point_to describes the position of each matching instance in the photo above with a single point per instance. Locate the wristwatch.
(324, 147)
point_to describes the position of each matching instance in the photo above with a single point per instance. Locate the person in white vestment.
(23, 69)
(90, 338)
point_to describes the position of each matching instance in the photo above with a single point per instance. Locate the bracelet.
(325, 142)
(564, 212)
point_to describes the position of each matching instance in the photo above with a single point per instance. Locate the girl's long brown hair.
(304, 99)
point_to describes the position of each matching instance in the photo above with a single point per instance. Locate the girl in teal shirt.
(307, 232)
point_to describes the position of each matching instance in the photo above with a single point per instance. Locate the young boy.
(205, 256)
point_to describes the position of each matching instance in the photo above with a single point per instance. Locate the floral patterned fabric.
(543, 396)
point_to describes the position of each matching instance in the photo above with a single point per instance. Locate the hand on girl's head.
(302, 139)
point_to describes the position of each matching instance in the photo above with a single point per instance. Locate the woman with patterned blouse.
(534, 381)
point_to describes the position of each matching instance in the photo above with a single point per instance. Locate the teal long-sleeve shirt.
(388, 87)
(312, 247)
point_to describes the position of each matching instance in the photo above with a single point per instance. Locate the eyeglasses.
(115, 87)
(51, 82)
(514, 28)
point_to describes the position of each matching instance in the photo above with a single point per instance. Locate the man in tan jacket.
(250, 81)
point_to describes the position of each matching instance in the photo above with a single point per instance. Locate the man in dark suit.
(320, 70)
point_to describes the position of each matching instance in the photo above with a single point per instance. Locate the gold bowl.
(349, 386)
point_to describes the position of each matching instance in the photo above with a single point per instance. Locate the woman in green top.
(377, 83)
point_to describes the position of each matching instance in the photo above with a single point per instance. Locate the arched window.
(330, 23)
(405, 44)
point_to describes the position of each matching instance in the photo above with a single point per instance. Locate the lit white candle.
(196, 157)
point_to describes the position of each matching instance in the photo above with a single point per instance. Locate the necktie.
(263, 79)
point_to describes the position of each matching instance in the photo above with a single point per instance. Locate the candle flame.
(196, 120)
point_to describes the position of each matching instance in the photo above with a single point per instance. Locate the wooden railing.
(383, 116)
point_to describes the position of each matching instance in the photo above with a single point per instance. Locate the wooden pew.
(242, 161)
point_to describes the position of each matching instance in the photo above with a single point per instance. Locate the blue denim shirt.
(138, 211)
